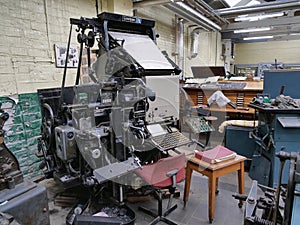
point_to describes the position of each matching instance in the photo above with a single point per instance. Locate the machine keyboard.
(170, 140)
(199, 125)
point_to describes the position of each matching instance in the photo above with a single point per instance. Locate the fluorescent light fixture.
(258, 17)
(203, 18)
(233, 3)
(252, 30)
(257, 38)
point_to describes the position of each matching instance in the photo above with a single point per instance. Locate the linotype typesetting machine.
(122, 115)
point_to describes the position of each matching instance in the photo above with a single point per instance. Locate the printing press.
(97, 132)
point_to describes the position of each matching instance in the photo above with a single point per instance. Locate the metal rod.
(276, 207)
(66, 65)
(146, 3)
(97, 11)
(79, 64)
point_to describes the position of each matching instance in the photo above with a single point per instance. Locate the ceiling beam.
(266, 7)
(146, 3)
(275, 32)
(278, 38)
(262, 23)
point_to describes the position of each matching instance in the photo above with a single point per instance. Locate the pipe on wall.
(180, 44)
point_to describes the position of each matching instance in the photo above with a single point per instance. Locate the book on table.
(215, 155)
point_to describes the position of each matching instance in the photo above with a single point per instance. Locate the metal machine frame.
(101, 131)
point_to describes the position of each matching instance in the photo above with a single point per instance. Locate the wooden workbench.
(240, 97)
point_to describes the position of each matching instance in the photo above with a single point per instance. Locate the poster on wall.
(60, 55)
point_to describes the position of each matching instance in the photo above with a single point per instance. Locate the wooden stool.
(213, 172)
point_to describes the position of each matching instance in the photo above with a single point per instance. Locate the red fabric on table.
(217, 154)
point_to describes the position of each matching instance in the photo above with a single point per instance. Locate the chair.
(165, 173)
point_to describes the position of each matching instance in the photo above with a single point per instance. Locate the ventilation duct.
(194, 43)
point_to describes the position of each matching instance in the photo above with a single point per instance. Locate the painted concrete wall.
(120, 6)
(254, 53)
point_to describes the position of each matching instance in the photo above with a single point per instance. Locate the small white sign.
(60, 56)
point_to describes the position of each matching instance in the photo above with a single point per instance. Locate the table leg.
(241, 178)
(211, 196)
(217, 185)
(188, 176)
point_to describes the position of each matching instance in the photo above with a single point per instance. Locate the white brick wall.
(26, 42)
(30, 28)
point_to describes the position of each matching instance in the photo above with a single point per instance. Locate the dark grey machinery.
(278, 130)
(278, 206)
(278, 125)
(95, 134)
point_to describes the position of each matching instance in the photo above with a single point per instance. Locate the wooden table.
(213, 172)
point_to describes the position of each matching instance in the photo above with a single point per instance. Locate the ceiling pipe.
(192, 15)
(194, 43)
(267, 7)
(208, 9)
(184, 11)
(145, 3)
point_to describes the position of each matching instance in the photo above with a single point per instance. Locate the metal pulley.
(89, 39)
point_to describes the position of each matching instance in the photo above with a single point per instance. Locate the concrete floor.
(227, 211)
